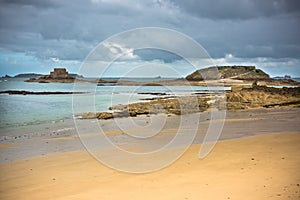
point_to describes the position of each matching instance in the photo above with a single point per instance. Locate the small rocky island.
(28, 75)
(228, 72)
(59, 75)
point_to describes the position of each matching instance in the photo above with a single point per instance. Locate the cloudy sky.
(36, 36)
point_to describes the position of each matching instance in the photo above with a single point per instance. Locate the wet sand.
(258, 157)
(52, 138)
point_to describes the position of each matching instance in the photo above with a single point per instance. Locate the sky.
(36, 36)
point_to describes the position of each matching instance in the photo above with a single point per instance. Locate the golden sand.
(259, 167)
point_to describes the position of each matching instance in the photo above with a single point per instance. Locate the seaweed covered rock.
(262, 96)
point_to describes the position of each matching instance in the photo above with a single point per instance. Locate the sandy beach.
(143, 100)
(256, 162)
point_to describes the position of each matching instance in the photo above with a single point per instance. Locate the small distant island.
(237, 75)
(285, 77)
(59, 75)
(228, 72)
(28, 75)
(6, 76)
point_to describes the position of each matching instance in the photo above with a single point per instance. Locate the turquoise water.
(20, 110)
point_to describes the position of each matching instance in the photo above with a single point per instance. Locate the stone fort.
(59, 73)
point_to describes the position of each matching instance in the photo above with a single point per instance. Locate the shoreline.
(68, 123)
(227, 82)
(62, 137)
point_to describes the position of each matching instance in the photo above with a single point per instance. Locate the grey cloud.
(37, 27)
(156, 54)
(270, 37)
(238, 9)
(70, 29)
(34, 3)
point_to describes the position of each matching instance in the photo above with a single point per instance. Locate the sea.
(25, 110)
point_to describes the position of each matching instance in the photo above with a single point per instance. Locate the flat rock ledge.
(237, 99)
(175, 106)
(24, 92)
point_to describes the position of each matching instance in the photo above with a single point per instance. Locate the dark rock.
(107, 81)
(89, 115)
(24, 92)
(153, 93)
(104, 115)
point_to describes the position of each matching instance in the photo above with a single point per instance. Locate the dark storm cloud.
(263, 37)
(68, 30)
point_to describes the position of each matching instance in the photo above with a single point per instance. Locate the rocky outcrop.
(177, 106)
(58, 75)
(104, 115)
(224, 72)
(154, 93)
(239, 98)
(262, 96)
(102, 82)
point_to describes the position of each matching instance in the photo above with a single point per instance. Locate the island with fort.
(59, 75)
